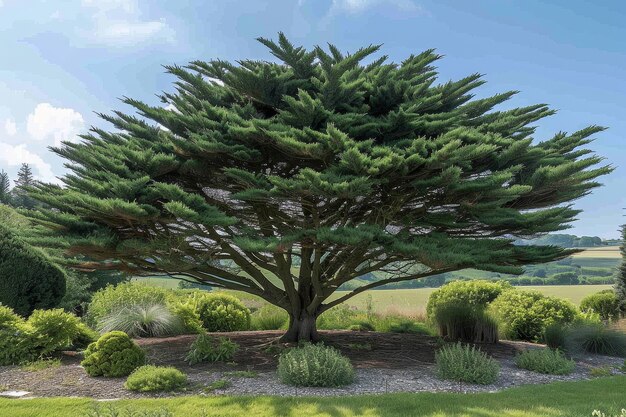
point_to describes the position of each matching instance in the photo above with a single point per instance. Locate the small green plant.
(241, 374)
(601, 371)
(269, 317)
(315, 366)
(466, 364)
(545, 361)
(151, 378)
(41, 365)
(595, 338)
(220, 312)
(217, 385)
(56, 329)
(143, 320)
(207, 348)
(113, 355)
(111, 411)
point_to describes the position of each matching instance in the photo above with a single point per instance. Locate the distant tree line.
(565, 241)
(17, 196)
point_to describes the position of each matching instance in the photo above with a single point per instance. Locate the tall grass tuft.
(143, 320)
(269, 317)
(596, 338)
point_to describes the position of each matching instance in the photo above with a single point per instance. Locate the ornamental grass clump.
(466, 364)
(545, 361)
(151, 378)
(143, 320)
(315, 366)
(595, 338)
(113, 355)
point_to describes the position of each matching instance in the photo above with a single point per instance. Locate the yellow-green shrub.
(113, 355)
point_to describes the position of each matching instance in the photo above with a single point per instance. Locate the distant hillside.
(567, 241)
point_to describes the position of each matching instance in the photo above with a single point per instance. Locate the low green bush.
(188, 316)
(149, 378)
(605, 304)
(315, 366)
(545, 361)
(466, 364)
(143, 320)
(18, 343)
(269, 317)
(524, 315)
(595, 338)
(112, 299)
(207, 348)
(220, 312)
(472, 293)
(114, 354)
(55, 329)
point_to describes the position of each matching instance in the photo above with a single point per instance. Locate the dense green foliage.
(339, 163)
(28, 279)
(58, 330)
(545, 361)
(595, 338)
(474, 293)
(149, 378)
(17, 342)
(554, 336)
(220, 312)
(114, 354)
(269, 317)
(604, 303)
(315, 366)
(620, 279)
(458, 322)
(524, 315)
(207, 348)
(466, 364)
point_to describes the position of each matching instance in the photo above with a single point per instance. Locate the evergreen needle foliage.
(288, 179)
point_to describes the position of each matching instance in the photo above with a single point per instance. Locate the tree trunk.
(302, 328)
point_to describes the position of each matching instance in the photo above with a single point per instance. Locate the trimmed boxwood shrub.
(524, 315)
(466, 364)
(113, 355)
(29, 279)
(149, 378)
(220, 312)
(315, 366)
(605, 304)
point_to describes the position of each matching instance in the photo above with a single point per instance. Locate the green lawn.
(568, 399)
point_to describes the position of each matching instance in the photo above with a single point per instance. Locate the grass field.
(566, 399)
(611, 252)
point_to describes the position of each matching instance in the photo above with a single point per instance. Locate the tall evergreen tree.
(620, 279)
(24, 180)
(287, 180)
(5, 188)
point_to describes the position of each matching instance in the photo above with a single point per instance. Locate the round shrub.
(221, 312)
(545, 361)
(55, 329)
(30, 280)
(605, 304)
(111, 299)
(188, 316)
(473, 293)
(466, 364)
(315, 366)
(524, 315)
(113, 355)
(150, 378)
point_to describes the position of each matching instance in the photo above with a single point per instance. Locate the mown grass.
(571, 399)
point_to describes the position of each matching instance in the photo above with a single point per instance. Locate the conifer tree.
(24, 180)
(288, 179)
(5, 188)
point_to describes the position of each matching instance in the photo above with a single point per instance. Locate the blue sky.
(64, 60)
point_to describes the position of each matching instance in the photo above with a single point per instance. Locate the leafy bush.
(56, 329)
(220, 312)
(149, 378)
(604, 303)
(188, 316)
(111, 299)
(466, 364)
(554, 336)
(524, 315)
(315, 366)
(207, 348)
(595, 338)
(545, 361)
(465, 323)
(30, 280)
(269, 317)
(18, 344)
(113, 355)
(143, 320)
(473, 293)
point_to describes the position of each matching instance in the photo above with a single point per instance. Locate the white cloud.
(357, 6)
(55, 124)
(119, 23)
(17, 155)
(10, 127)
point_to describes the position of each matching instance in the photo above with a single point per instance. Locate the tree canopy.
(288, 178)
